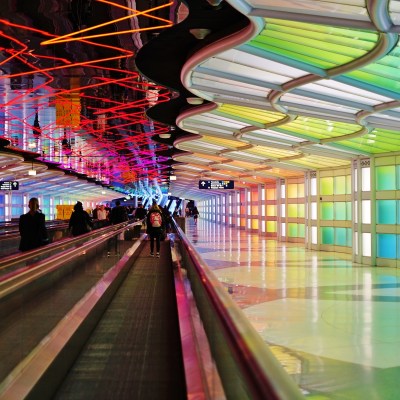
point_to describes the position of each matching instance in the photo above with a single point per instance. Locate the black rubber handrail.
(262, 373)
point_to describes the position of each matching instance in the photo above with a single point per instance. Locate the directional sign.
(9, 185)
(203, 184)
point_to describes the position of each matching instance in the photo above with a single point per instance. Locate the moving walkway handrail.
(24, 276)
(261, 372)
(13, 259)
(39, 374)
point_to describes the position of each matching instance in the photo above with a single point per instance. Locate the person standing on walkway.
(32, 227)
(155, 227)
(118, 213)
(80, 221)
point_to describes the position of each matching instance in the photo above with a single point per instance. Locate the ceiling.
(249, 91)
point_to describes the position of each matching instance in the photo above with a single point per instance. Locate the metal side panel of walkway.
(135, 350)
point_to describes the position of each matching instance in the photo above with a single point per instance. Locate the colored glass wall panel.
(292, 210)
(386, 245)
(349, 237)
(271, 210)
(271, 226)
(292, 230)
(327, 235)
(17, 199)
(292, 191)
(327, 211)
(340, 184)
(326, 186)
(340, 236)
(386, 211)
(301, 230)
(271, 194)
(348, 184)
(340, 211)
(301, 211)
(348, 210)
(300, 190)
(398, 177)
(386, 177)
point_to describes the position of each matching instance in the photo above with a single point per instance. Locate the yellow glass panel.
(271, 226)
(301, 211)
(300, 190)
(271, 210)
(292, 210)
(271, 194)
(292, 190)
(326, 186)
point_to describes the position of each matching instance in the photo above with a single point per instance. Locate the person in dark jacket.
(80, 221)
(118, 213)
(155, 228)
(32, 227)
(140, 212)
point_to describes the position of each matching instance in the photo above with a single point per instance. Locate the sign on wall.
(9, 185)
(205, 184)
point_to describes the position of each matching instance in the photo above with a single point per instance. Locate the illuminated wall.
(387, 210)
(354, 210)
(295, 210)
(334, 208)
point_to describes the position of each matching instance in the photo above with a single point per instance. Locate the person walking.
(80, 221)
(118, 214)
(195, 214)
(32, 227)
(155, 226)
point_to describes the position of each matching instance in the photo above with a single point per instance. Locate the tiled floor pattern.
(333, 324)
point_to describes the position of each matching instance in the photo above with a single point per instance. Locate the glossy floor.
(333, 324)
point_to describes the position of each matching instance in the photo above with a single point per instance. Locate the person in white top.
(102, 212)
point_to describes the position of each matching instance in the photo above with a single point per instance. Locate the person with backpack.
(155, 227)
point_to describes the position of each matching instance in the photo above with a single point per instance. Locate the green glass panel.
(340, 184)
(386, 212)
(326, 186)
(398, 212)
(340, 236)
(349, 237)
(271, 226)
(292, 230)
(386, 245)
(292, 210)
(398, 177)
(348, 211)
(348, 184)
(301, 211)
(327, 235)
(386, 177)
(301, 230)
(340, 211)
(327, 211)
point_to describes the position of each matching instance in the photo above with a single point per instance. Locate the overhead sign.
(9, 185)
(203, 184)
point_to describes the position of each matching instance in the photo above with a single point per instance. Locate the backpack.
(155, 220)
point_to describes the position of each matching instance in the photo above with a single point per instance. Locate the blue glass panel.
(386, 212)
(386, 245)
(340, 237)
